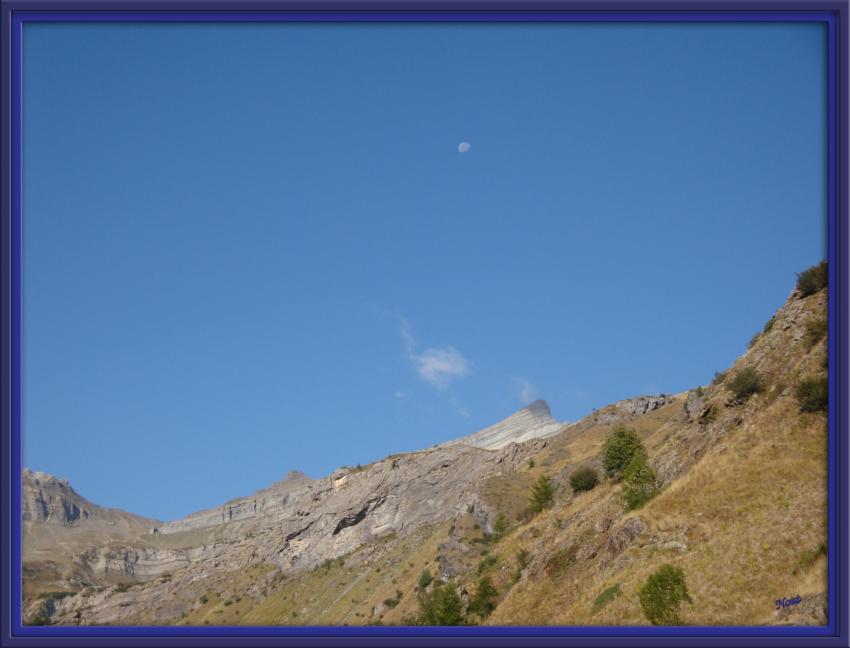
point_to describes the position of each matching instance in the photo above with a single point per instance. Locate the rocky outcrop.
(44, 498)
(139, 563)
(625, 410)
(694, 404)
(267, 502)
(783, 350)
(449, 558)
(532, 422)
(48, 500)
(625, 535)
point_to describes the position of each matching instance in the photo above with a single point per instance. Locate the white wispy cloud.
(525, 390)
(435, 365)
(460, 409)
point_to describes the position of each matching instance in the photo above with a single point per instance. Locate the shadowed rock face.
(532, 422)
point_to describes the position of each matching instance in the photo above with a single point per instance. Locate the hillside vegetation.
(699, 508)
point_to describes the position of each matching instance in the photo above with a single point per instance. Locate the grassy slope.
(750, 514)
(340, 593)
(508, 492)
(744, 520)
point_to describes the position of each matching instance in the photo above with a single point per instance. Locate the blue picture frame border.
(13, 16)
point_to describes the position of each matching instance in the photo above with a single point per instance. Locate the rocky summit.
(531, 422)
(732, 494)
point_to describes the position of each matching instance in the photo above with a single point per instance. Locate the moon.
(463, 147)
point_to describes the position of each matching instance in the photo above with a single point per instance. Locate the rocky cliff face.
(44, 498)
(48, 500)
(277, 500)
(294, 524)
(626, 410)
(377, 487)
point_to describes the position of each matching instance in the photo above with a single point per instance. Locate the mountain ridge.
(349, 547)
(530, 421)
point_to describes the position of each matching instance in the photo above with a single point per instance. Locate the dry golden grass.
(745, 519)
(750, 514)
(339, 594)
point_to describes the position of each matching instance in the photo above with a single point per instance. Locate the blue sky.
(256, 248)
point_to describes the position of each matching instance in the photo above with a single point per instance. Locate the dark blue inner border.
(827, 13)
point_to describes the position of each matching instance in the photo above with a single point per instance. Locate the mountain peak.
(533, 421)
(40, 477)
(539, 405)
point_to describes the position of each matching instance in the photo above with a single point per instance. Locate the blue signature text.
(786, 602)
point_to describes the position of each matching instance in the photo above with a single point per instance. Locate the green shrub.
(560, 561)
(620, 448)
(204, 599)
(228, 603)
(531, 464)
(719, 378)
(542, 494)
(425, 578)
(640, 483)
(605, 598)
(753, 340)
(769, 324)
(122, 587)
(395, 600)
(500, 527)
(816, 329)
(813, 279)
(745, 383)
(442, 608)
(662, 595)
(484, 601)
(488, 563)
(813, 395)
(584, 479)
